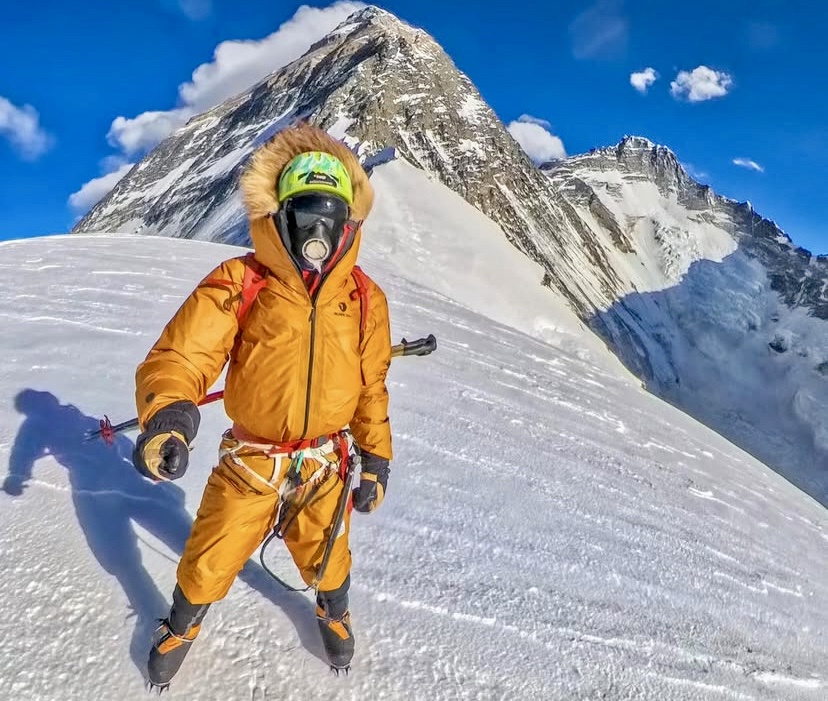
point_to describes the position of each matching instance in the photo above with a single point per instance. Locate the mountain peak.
(370, 17)
(640, 158)
(632, 144)
(372, 13)
(370, 28)
(630, 141)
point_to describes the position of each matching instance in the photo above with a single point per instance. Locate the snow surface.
(551, 531)
(668, 237)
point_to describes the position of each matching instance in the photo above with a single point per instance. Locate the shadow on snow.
(713, 347)
(110, 499)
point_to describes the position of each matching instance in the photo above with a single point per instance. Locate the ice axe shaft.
(108, 430)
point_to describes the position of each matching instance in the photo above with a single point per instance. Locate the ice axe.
(108, 430)
(422, 346)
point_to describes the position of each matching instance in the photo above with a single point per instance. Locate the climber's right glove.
(162, 451)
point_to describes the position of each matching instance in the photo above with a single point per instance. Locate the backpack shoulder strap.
(255, 278)
(363, 293)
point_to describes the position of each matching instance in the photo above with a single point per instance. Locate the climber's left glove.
(372, 484)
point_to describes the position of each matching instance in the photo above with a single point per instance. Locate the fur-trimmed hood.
(258, 184)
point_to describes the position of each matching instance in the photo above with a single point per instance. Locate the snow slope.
(551, 531)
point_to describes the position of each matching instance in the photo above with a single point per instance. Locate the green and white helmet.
(315, 171)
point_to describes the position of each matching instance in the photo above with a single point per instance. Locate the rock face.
(721, 314)
(383, 83)
(709, 303)
(596, 177)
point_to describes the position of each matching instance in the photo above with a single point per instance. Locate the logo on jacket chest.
(342, 310)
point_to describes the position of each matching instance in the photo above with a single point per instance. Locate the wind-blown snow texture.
(551, 531)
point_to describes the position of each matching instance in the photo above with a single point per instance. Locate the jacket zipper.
(312, 320)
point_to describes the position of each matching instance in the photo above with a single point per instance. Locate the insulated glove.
(162, 451)
(372, 484)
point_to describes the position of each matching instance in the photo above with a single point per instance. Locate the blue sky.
(86, 87)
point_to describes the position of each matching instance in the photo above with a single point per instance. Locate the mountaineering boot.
(172, 640)
(335, 626)
(338, 639)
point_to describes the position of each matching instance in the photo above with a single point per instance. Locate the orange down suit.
(297, 369)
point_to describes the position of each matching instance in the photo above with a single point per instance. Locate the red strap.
(255, 278)
(281, 446)
(362, 290)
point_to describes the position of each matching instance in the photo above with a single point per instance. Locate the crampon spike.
(156, 689)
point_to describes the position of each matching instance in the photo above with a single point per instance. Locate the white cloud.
(529, 119)
(95, 190)
(700, 84)
(236, 66)
(110, 163)
(749, 164)
(21, 126)
(642, 80)
(536, 140)
(600, 31)
(146, 130)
